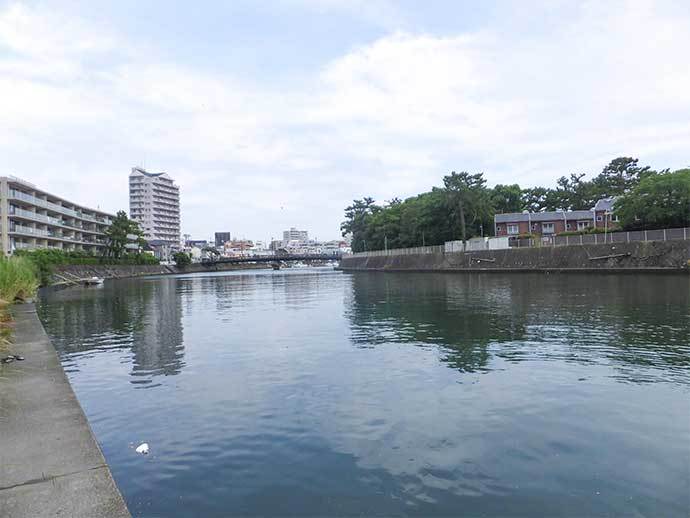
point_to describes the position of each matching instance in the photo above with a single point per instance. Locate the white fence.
(505, 242)
(477, 244)
(664, 234)
(438, 249)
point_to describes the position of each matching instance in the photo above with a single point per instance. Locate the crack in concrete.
(51, 477)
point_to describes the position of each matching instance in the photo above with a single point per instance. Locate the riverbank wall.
(651, 256)
(50, 462)
(67, 274)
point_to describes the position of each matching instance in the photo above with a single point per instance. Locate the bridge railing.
(272, 258)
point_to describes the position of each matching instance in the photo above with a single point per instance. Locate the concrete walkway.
(50, 463)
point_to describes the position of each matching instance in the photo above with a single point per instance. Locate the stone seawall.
(70, 273)
(661, 256)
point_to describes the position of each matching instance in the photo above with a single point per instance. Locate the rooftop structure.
(33, 218)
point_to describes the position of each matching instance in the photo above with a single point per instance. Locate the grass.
(18, 282)
(46, 259)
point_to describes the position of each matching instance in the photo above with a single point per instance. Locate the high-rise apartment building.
(295, 235)
(154, 202)
(32, 218)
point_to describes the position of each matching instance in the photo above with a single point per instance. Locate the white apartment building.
(293, 234)
(33, 218)
(154, 202)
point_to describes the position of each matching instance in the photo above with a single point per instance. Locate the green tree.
(356, 221)
(619, 176)
(506, 198)
(658, 201)
(117, 232)
(182, 259)
(535, 199)
(468, 201)
(572, 193)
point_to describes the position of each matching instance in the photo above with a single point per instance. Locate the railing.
(26, 246)
(20, 229)
(55, 207)
(666, 234)
(438, 249)
(16, 211)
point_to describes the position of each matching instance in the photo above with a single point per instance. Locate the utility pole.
(423, 242)
(385, 243)
(606, 221)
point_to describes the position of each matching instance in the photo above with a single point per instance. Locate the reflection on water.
(319, 393)
(642, 320)
(141, 317)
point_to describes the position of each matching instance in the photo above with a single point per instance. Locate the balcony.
(27, 214)
(19, 195)
(20, 229)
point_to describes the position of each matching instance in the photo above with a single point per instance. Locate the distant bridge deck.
(273, 258)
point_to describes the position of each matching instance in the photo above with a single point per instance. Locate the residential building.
(154, 203)
(293, 234)
(556, 222)
(221, 238)
(198, 243)
(237, 248)
(33, 218)
(605, 216)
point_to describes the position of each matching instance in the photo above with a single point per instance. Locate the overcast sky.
(278, 114)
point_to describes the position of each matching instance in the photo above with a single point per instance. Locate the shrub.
(588, 230)
(45, 260)
(18, 279)
(182, 259)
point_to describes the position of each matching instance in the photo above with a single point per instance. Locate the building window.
(582, 225)
(567, 226)
(615, 217)
(547, 228)
(599, 218)
(513, 229)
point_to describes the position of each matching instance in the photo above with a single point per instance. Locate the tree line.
(464, 206)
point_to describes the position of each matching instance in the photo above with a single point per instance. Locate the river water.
(315, 392)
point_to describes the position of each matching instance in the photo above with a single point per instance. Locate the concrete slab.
(87, 494)
(48, 452)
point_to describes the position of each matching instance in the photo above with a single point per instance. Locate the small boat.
(93, 281)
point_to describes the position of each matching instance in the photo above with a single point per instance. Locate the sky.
(278, 114)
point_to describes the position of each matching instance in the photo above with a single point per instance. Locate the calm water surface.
(315, 392)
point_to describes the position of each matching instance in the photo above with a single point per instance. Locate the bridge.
(272, 258)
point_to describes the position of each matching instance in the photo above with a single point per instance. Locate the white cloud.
(386, 119)
(383, 13)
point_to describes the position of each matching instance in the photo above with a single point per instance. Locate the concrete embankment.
(50, 463)
(71, 273)
(659, 256)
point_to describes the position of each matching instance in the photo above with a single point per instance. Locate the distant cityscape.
(33, 218)
(294, 242)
